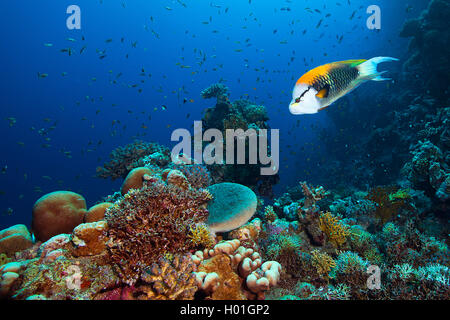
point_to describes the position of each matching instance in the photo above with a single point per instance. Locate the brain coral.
(232, 206)
(14, 239)
(97, 212)
(150, 222)
(134, 179)
(57, 212)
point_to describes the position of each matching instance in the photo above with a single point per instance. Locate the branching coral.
(124, 159)
(169, 280)
(214, 91)
(201, 236)
(269, 214)
(149, 222)
(197, 174)
(335, 230)
(322, 262)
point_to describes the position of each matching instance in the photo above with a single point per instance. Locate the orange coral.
(230, 284)
(323, 262)
(335, 230)
(57, 212)
(97, 212)
(135, 179)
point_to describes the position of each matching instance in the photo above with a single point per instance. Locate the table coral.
(232, 206)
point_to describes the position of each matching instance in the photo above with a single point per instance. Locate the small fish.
(320, 87)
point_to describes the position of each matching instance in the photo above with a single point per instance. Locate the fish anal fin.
(320, 109)
(323, 93)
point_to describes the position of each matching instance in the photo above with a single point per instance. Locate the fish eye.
(297, 100)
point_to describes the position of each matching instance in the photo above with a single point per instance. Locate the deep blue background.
(83, 104)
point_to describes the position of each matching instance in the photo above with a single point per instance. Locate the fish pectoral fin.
(320, 109)
(323, 93)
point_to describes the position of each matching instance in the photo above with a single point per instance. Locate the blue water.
(73, 114)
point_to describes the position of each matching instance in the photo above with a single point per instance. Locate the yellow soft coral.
(335, 230)
(201, 236)
(323, 262)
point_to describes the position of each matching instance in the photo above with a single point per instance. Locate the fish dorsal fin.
(352, 63)
(323, 93)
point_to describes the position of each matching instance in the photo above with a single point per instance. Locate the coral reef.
(230, 271)
(135, 179)
(14, 239)
(57, 212)
(97, 212)
(124, 159)
(150, 222)
(241, 114)
(232, 206)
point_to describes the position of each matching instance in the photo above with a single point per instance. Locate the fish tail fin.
(368, 69)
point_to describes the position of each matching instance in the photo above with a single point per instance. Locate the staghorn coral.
(149, 222)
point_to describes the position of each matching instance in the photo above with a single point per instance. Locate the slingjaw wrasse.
(320, 87)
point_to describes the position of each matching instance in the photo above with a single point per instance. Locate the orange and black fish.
(320, 87)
